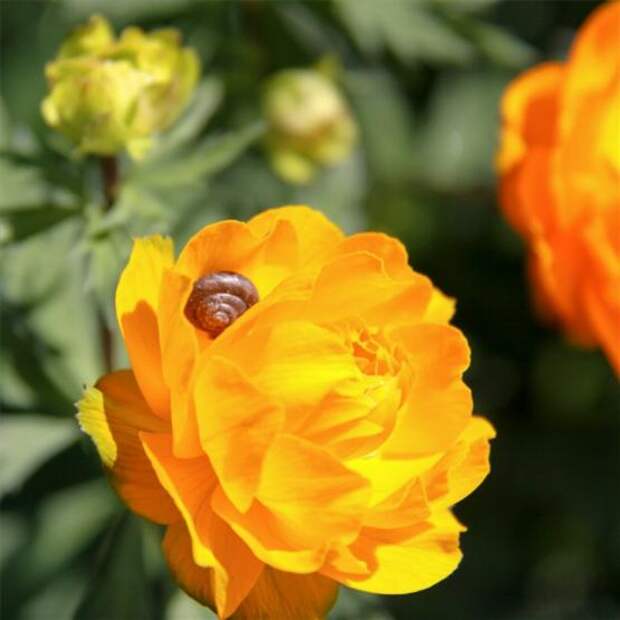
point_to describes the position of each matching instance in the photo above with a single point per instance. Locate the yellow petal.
(180, 346)
(235, 418)
(137, 303)
(405, 560)
(463, 468)
(312, 493)
(299, 362)
(316, 235)
(438, 404)
(113, 413)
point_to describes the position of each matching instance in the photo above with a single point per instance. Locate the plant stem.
(110, 183)
(110, 179)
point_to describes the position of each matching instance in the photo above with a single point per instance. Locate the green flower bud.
(109, 94)
(310, 124)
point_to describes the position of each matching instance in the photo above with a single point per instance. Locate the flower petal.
(302, 482)
(235, 418)
(222, 588)
(463, 467)
(180, 346)
(287, 596)
(113, 413)
(137, 303)
(190, 482)
(266, 536)
(316, 235)
(405, 560)
(438, 404)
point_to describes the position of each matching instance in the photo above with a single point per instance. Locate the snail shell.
(218, 299)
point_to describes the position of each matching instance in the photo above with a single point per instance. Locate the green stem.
(110, 183)
(110, 179)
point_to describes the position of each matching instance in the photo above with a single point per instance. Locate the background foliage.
(423, 78)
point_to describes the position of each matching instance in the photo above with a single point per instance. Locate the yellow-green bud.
(310, 124)
(108, 94)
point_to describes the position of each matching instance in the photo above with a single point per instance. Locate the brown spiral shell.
(218, 299)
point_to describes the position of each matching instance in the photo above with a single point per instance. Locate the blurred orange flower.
(560, 181)
(295, 414)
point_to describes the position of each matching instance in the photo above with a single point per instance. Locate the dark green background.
(424, 79)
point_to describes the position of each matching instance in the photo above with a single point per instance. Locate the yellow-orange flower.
(560, 181)
(320, 439)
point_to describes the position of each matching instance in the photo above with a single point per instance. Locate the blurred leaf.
(500, 46)
(183, 607)
(125, 11)
(385, 119)
(27, 441)
(118, 587)
(58, 599)
(464, 6)
(206, 159)
(22, 184)
(457, 143)
(354, 605)
(206, 100)
(67, 522)
(406, 28)
(5, 126)
(13, 530)
(53, 318)
(25, 222)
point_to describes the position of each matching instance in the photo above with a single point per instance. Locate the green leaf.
(406, 28)
(500, 46)
(118, 587)
(52, 334)
(183, 607)
(385, 118)
(66, 523)
(28, 441)
(22, 184)
(206, 159)
(207, 98)
(21, 223)
(457, 143)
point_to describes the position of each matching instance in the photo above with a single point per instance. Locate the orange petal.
(405, 560)
(287, 596)
(463, 468)
(594, 61)
(204, 584)
(530, 106)
(190, 483)
(316, 235)
(137, 303)
(113, 413)
(235, 418)
(312, 493)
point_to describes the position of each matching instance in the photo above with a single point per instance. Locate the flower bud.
(310, 124)
(108, 94)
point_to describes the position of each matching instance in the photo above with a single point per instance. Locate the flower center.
(218, 299)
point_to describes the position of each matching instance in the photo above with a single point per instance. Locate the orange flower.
(560, 181)
(320, 438)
